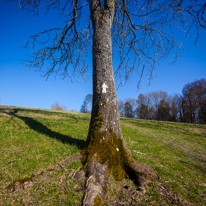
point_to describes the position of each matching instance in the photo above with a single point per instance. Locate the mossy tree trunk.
(105, 151)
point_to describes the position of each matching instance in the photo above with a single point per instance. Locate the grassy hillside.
(33, 141)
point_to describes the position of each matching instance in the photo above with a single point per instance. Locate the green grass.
(33, 140)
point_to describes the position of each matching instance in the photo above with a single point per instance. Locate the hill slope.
(33, 141)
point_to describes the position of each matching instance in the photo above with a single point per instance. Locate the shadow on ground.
(40, 128)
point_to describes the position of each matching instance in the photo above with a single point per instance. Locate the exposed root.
(144, 170)
(65, 163)
(140, 173)
(97, 183)
(27, 182)
(105, 153)
(96, 187)
(76, 172)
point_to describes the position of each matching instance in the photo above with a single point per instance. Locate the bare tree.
(202, 112)
(138, 34)
(175, 107)
(163, 111)
(73, 110)
(145, 108)
(87, 102)
(56, 106)
(157, 105)
(154, 100)
(121, 108)
(128, 108)
(193, 102)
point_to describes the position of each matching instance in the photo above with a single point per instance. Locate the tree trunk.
(105, 150)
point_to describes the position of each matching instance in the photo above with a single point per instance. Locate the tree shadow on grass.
(40, 128)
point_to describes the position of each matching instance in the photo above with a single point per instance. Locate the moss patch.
(98, 201)
(104, 189)
(107, 147)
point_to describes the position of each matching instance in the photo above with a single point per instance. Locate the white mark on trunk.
(115, 110)
(114, 122)
(104, 87)
(101, 104)
(117, 149)
(107, 99)
(103, 137)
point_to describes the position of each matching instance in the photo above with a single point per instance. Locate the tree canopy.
(143, 33)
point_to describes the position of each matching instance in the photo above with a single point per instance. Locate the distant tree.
(121, 108)
(137, 33)
(145, 108)
(73, 110)
(123, 104)
(155, 98)
(163, 111)
(56, 106)
(175, 108)
(158, 105)
(201, 117)
(193, 102)
(128, 109)
(142, 109)
(86, 104)
(186, 113)
(202, 112)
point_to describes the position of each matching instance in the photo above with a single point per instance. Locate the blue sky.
(21, 86)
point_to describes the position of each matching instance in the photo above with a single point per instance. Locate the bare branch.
(142, 33)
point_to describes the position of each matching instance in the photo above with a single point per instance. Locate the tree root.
(27, 182)
(96, 187)
(97, 183)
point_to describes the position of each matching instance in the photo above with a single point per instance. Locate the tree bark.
(104, 89)
(105, 150)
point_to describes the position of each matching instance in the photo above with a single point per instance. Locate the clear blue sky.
(21, 86)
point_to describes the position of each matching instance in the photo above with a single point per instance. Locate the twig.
(76, 172)
(139, 153)
(61, 166)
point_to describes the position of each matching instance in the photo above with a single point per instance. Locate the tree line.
(188, 107)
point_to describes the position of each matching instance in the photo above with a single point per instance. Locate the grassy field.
(33, 141)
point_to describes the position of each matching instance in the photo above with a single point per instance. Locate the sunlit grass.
(35, 139)
(178, 151)
(32, 140)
